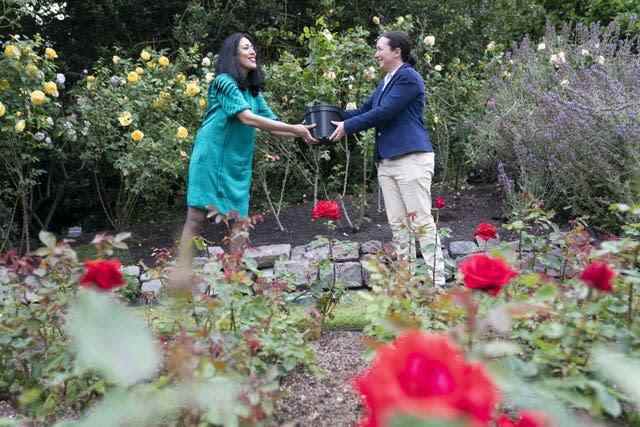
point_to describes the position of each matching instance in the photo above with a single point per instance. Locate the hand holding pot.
(302, 131)
(339, 132)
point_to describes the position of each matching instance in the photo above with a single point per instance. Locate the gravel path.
(327, 400)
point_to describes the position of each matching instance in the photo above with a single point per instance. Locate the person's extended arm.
(404, 90)
(275, 127)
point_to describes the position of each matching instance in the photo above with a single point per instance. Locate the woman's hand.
(339, 132)
(302, 131)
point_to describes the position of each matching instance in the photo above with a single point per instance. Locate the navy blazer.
(396, 113)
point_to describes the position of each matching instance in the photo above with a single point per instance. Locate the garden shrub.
(141, 115)
(563, 117)
(29, 121)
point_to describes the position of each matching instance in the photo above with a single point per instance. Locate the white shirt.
(389, 76)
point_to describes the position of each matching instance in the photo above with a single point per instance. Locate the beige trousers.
(406, 187)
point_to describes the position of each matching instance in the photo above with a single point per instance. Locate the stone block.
(152, 286)
(301, 271)
(266, 256)
(342, 250)
(371, 247)
(317, 250)
(349, 274)
(462, 248)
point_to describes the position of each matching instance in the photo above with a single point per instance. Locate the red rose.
(439, 203)
(425, 375)
(599, 275)
(486, 273)
(525, 419)
(104, 274)
(328, 209)
(485, 231)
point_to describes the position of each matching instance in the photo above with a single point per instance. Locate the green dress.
(222, 159)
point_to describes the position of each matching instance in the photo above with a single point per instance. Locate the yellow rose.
(165, 95)
(3, 109)
(38, 97)
(151, 65)
(20, 125)
(133, 77)
(137, 135)
(192, 89)
(163, 61)
(32, 70)
(51, 89)
(145, 55)
(180, 77)
(182, 133)
(51, 54)
(12, 52)
(125, 118)
(202, 103)
(140, 70)
(157, 104)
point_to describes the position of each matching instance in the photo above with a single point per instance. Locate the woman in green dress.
(222, 158)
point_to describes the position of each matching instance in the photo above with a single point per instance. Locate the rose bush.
(141, 115)
(30, 113)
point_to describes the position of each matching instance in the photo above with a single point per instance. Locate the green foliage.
(558, 125)
(139, 118)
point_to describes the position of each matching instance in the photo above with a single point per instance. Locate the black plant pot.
(321, 115)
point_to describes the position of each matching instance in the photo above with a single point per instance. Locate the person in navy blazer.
(403, 150)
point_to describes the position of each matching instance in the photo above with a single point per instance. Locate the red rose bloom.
(486, 273)
(104, 274)
(425, 375)
(525, 419)
(328, 209)
(485, 231)
(439, 203)
(599, 275)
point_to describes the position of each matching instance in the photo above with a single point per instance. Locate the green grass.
(349, 313)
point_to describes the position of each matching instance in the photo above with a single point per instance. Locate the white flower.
(370, 73)
(60, 79)
(621, 207)
(39, 136)
(438, 68)
(48, 141)
(491, 46)
(49, 121)
(564, 83)
(558, 59)
(330, 75)
(597, 46)
(351, 106)
(327, 34)
(375, 20)
(115, 59)
(400, 20)
(206, 62)
(585, 52)
(430, 40)
(542, 46)
(209, 77)
(600, 59)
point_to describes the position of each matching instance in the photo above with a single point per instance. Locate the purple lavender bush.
(563, 117)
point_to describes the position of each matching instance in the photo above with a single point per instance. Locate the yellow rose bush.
(30, 140)
(143, 111)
